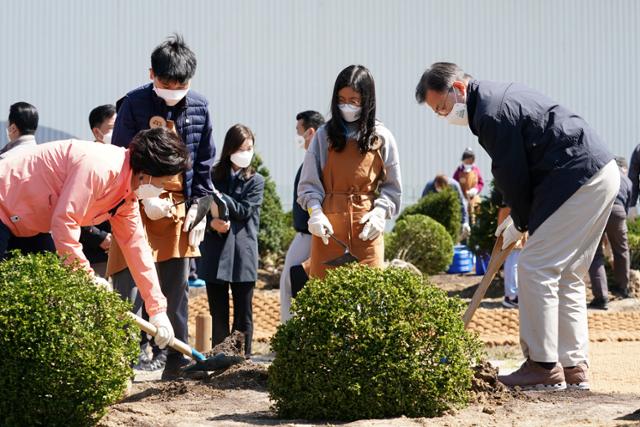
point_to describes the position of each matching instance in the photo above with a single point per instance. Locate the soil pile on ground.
(246, 375)
(486, 389)
(233, 345)
(634, 283)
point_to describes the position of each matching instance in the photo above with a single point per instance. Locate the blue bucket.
(462, 260)
(482, 261)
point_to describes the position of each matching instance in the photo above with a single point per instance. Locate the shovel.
(219, 361)
(343, 259)
(498, 256)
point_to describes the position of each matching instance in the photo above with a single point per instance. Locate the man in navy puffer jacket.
(169, 102)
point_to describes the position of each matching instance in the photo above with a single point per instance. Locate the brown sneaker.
(576, 377)
(531, 376)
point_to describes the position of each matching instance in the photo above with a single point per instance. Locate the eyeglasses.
(440, 107)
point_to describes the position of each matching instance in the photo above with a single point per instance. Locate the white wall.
(260, 62)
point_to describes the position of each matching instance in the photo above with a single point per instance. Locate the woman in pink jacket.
(63, 185)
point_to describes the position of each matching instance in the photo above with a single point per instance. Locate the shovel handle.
(175, 343)
(498, 256)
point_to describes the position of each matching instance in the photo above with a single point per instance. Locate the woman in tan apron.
(350, 180)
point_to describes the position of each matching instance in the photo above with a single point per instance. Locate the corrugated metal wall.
(260, 62)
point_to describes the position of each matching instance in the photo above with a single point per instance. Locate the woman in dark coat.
(230, 248)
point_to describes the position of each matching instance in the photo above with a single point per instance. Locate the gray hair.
(439, 77)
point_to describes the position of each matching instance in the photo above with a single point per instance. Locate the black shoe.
(598, 304)
(176, 370)
(510, 303)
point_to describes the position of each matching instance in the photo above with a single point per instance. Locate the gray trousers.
(616, 231)
(173, 275)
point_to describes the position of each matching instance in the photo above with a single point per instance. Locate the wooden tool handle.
(175, 343)
(498, 256)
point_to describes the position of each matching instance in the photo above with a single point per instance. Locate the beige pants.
(552, 301)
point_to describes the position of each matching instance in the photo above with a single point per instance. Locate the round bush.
(421, 241)
(371, 343)
(443, 206)
(68, 346)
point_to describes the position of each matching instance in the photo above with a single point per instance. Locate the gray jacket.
(311, 189)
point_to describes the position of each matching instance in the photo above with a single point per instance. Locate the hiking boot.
(620, 293)
(576, 377)
(175, 370)
(510, 303)
(598, 304)
(531, 376)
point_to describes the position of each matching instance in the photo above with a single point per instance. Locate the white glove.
(633, 213)
(319, 224)
(466, 230)
(196, 235)
(157, 208)
(472, 192)
(102, 282)
(374, 222)
(509, 232)
(164, 334)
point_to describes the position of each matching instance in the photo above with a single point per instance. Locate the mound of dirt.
(486, 389)
(634, 283)
(233, 345)
(246, 375)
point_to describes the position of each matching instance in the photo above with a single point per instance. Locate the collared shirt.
(20, 145)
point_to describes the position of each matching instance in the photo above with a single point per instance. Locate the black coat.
(91, 237)
(541, 152)
(634, 175)
(233, 256)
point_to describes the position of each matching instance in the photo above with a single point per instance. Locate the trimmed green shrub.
(371, 343)
(272, 236)
(444, 207)
(634, 250)
(422, 241)
(633, 226)
(68, 346)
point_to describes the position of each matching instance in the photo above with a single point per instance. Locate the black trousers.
(218, 293)
(616, 231)
(173, 275)
(39, 243)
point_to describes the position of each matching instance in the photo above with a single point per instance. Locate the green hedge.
(371, 343)
(422, 241)
(68, 346)
(444, 207)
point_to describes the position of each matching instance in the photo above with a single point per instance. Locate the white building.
(260, 62)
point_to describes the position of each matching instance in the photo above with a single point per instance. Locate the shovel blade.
(347, 258)
(215, 363)
(204, 203)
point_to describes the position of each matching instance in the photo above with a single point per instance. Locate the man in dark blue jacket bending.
(560, 181)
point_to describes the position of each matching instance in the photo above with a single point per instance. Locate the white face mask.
(171, 97)
(7, 132)
(458, 115)
(242, 159)
(106, 138)
(467, 168)
(148, 191)
(350, 113)
(300, 141)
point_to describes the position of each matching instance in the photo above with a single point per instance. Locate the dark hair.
(235, 137)
(98, 115)
(173, 61)
(359, 79)
(158, 152)
(310, 119)
(25, 117)
(439, 77)
(468, 154)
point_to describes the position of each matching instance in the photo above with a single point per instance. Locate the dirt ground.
(239, 397)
